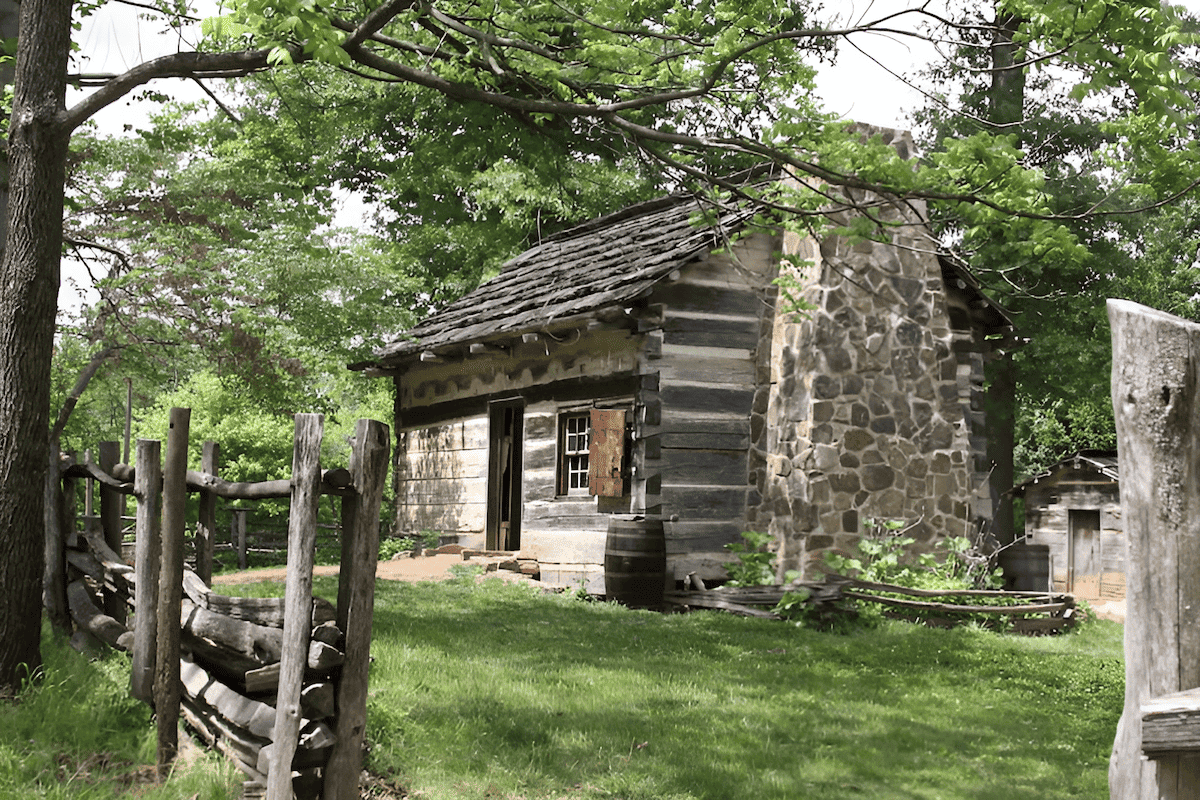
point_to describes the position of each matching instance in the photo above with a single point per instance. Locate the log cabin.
(1073, 508)
(642, 363)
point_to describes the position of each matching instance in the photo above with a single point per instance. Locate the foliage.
(755, 565)
(884, 556)
(390, 546)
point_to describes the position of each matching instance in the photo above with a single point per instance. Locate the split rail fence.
(279, 685)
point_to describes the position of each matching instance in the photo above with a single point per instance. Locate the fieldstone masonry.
(870, 406)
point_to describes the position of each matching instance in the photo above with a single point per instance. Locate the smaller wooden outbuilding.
(1074, 508)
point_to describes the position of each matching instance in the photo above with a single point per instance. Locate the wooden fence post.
(1156, 400)
(356, 603)
(206, 528)
(238, 534)
(54, 575)
(297, 619)
(170, 591)
(147, 557)
(112, 503)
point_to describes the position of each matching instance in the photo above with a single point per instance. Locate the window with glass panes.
(574, 434)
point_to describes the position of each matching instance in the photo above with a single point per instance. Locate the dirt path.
(422, 568)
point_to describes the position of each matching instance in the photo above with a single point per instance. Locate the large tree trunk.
(1006, 101)
(28, 298)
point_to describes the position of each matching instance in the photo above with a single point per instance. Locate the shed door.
(1084, 565)
(505, 427)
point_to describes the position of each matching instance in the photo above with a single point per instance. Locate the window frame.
(573, 463)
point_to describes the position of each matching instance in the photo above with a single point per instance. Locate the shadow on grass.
(492, 689)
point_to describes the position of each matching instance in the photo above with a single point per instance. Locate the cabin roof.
(1102, 461)
(603, 263)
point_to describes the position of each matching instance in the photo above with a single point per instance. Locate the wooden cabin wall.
(565, 534)
(441, 480)
(1048, 507)
(697, 429)
(867, 415)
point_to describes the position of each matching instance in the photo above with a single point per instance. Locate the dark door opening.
(505, 427)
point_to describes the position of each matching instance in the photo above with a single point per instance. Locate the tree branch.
(81, 383)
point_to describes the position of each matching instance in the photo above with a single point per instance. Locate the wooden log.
(238, 710)
(238, 531)
(89, 617)
(356, 603)
(206, 524)
(317, 700)
(54, 561)
(67, 515)
(297, 623)
(86, 563)
(242, 748)
(266, 611)
(1156, 401)
(333, 481)
(170, 592)
(954, 608)
(147, 565)
(1171, 724)
(111, 506)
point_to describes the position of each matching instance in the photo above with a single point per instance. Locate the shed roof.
(605, 262)
(1102, 461)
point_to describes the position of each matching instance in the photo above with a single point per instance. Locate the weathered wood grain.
(147, 564)
(170, 591)
(1156, 370)
(89, 617)
(356, 599)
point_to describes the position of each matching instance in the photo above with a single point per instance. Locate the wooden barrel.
(1026, 567)
(635, 562)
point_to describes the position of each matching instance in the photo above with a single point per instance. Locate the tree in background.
(1070, 118)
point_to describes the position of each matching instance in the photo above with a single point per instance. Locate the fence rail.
(258, 679)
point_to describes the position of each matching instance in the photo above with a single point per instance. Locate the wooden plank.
(689, 297)
(356, 600)
(170, 591)
(1171, 724)
(693, 536)
(89, 617)
(606, 453)
(1156, 401)
(440, 464)
(442, 492)
(206, 526)
(722, 467)
(54, 560)
(566, 547)
(111, 507)
(709, 331)
(147, 564)
(707, 399)
(704, 502)
(302, 539)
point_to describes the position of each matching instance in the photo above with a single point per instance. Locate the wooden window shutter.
(606, 452)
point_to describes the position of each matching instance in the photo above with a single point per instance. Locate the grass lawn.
(496, 691)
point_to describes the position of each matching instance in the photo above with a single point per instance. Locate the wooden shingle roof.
(604, 263)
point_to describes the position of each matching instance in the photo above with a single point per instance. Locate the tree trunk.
(1006, 101)
(28, 299)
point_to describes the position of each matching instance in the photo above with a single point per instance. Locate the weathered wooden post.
(237, 531)
(206, 527)
(356, 603)
(54, 575)
(147, 558)
(1156, 400)
(170, 591)
(297, 619)
(112, 503)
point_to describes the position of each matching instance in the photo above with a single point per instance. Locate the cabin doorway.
(505, 429)
(1084, 565)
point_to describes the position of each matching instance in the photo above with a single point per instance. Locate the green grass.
(75, 734)
(496, 691)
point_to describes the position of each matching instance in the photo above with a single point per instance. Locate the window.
(574, 436)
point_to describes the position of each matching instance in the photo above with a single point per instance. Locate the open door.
(1084, 565)
(505, 427)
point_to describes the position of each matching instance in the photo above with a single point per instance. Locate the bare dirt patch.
(435, 567)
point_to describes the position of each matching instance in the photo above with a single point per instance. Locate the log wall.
(698, 422)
